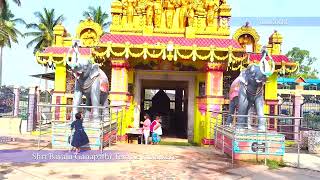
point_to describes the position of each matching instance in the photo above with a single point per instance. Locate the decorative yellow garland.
(177, 50)
(152, 55)
(41, 58)
(183, 56)
(163, 53)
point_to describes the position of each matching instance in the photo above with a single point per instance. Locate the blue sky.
(19, 62)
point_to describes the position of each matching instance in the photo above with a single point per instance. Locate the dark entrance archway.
(170, 100)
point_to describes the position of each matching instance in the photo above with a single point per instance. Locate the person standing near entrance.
(146, 127)
(156, 130)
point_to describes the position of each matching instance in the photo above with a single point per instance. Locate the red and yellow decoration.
(167, 36)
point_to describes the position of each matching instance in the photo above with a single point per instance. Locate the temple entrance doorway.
(169, 99)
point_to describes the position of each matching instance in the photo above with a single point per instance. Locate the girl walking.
(80, 137)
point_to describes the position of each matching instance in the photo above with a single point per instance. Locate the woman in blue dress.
(80, 137)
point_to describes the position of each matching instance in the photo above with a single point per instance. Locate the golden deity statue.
(149, 13)
(191, 13)
(140, 4)
(200, 7)
(169, 6)
(183, 13)
(246, 40)
(212, 12)
(157, 13)
(191, 18)
(89, 38)
(129, 7)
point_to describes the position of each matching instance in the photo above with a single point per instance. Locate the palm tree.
(8, 31)
(43, 29)
(4, 3)
(98, 16)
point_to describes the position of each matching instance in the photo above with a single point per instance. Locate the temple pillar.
(214, 96)
(32, 109)
(199, 111)
(60, 82)
(119, 82)
(118, 95)
(130, 104)
(297, 102)
(271, 100)
(60, 78)
(16, 92)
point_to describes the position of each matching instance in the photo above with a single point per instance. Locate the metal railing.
(54, 124)
(218, 125)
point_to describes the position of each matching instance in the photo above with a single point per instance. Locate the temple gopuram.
(179, 45)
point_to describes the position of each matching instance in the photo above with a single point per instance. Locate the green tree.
(4, 4)
(8, 31)
(42, 30)
(98, 16)
(305, 61)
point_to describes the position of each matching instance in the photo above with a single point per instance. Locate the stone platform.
(61, 132)
(250, 144)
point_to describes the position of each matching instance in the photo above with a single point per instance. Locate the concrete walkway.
(307, 160)
(189, 163)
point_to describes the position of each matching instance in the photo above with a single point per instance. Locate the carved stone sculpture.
(170, 9)
(90, 81)
(149, 13)
(247, 90)
(212, 12)
(157, 13)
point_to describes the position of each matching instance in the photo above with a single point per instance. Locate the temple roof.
(64, 50)
(276, 58)
(200, 42)
(293, 80)
(47, 76)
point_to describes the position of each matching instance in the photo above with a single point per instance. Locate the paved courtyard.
(189, 163)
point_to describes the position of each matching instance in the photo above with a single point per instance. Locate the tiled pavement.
(188, 163)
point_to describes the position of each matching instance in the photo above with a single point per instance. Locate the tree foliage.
(42, 30)
(4, 4)
(98, 16)
(306, 62)
(8, 30)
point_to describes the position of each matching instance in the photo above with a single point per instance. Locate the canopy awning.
(47, 76)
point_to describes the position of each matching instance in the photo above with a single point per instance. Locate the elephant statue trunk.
(91, 82)
(247, 91)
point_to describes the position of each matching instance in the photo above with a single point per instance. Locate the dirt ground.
(187, 162)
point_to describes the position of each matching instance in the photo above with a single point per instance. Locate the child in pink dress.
(146, 127)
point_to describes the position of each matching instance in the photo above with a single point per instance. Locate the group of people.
(80, 138)
(152, 129)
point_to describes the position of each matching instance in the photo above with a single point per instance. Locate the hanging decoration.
(168, 51)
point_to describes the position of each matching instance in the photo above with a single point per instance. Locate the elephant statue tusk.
(265, 67)
(273, 64)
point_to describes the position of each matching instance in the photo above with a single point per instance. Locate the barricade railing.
(218, 123)
(54, 123)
